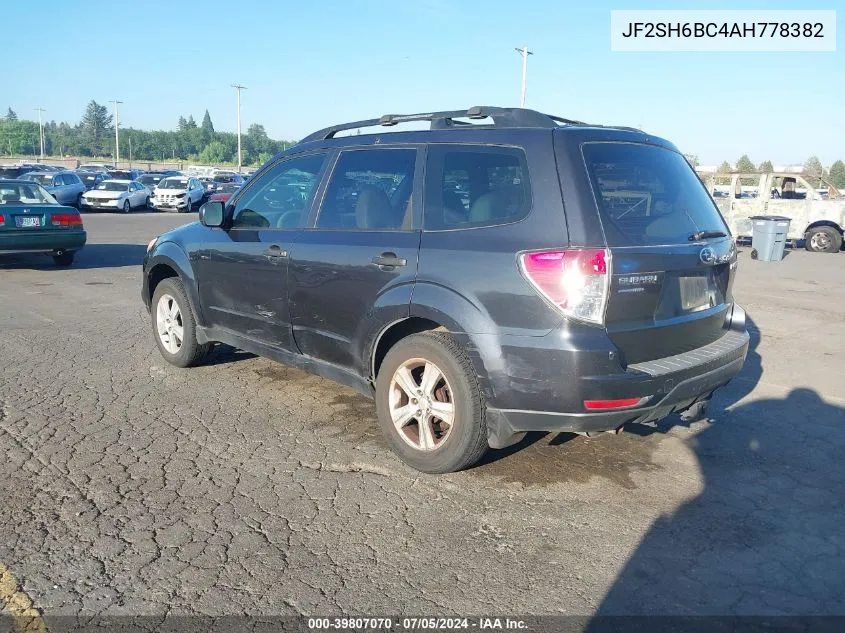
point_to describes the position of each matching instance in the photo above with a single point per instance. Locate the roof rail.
(502, 118)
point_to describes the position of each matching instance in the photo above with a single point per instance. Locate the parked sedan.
(15, 171)
(222, 178)
(124, 174)
(66, 187)
(150, 180)
(31, 221)
(91, 178)
(224, 192)
(117, 195)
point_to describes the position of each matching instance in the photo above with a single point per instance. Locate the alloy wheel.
(421, 406)
(169, 324)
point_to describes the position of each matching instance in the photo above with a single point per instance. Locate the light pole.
(116, 132)
(41, 130)
(238, 88)
(525, 53)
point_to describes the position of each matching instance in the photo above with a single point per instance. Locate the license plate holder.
(27, 221)
(695, 292)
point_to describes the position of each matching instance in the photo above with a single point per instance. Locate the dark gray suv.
(505, 271)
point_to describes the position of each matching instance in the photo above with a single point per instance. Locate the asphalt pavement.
(132, 487)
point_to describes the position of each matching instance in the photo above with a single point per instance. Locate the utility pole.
(130, 152)
(41, 130)
(238, 88)
(525, 53)
(116, 132)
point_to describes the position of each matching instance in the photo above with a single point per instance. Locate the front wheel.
(174, 326)
(429, 405)
(823, 239)
(126, 206)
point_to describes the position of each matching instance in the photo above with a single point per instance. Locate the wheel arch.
(168, 260)
(395, 332)
(818, 223)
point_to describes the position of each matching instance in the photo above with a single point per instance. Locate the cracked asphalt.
(128, 486)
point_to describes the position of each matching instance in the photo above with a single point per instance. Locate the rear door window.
(370, 189)
(473, 186)
(648, 195)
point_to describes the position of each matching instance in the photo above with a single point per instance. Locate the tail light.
(2, 219)
(576, 281)
(605, 405)
(66, 219)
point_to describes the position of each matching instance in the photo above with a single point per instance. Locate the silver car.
(66, 187)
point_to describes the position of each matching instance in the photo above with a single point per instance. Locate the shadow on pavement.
(90, 256)
(765, 535)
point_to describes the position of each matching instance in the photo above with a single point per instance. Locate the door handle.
(275, 251)
(389, 261)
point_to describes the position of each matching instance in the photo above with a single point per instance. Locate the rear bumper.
(42, 242)
(511, 422)
(666, 386)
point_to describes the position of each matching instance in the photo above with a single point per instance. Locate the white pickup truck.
(817, 216)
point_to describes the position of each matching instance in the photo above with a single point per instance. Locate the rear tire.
(753, 253)
(78, 203)
(444, 447)
(147, 203)
(65, 259)
(170, 314)
(823, 239)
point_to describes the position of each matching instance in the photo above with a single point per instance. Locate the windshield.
(224, 178)
(150, 180)
(45, 180)
(19, 194)
(89, 177)
(648, 195)
(173, 183)
(109, 185)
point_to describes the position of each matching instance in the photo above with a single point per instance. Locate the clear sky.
(311, 64)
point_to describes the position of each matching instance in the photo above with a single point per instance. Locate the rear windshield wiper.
(700, 235)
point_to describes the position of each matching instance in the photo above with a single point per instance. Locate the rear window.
(648, 195)
(473, 186)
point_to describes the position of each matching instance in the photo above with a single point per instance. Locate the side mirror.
(211, 213)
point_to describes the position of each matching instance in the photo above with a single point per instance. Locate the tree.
(766, 167)
(214, 153)
(692, 159)
(813, 166)
(207, 128)
(724, 168)
(11, 115)
(837, 174)
(95, 127)
(744, 164)
(183, 124)
(191, 124)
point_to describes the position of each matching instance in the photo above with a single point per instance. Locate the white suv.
(182, 193)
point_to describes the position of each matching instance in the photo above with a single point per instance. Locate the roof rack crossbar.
(502, 118)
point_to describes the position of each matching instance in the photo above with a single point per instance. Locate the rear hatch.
(672, 257)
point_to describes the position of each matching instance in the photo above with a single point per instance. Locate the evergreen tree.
(767, 167)
(207, 128)
(11, 115)
(837, 174)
